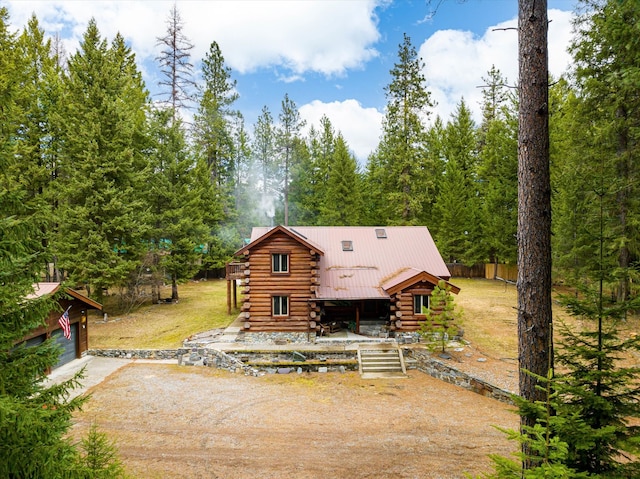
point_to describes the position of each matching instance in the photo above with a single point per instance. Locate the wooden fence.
(506, 272)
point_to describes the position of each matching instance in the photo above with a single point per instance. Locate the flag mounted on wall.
(64, 323)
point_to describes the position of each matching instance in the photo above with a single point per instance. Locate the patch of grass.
(202, 306)
(490, 318)
(490, 315)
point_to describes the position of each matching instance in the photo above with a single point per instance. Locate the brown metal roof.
(44, 289)
(264, 233)
(375, 261)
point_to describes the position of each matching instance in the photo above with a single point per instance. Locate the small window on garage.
(381, 233)
(347, 245)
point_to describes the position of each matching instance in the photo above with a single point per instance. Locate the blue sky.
(332, 57)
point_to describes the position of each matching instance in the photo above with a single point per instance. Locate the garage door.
(35, 341)
(69, 347)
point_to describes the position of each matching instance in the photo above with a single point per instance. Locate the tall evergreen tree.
(178, 209)
(305, 191)
(607, 54)
(456, 209)
(102, 217)
(175, 64)
(574, 185)
(494, 97)
(213, 124)
(498, 180)
(288, 135)
(264, 145)
(343, 203)
(402, 153)
(244, 181)
(310, 175)
(39, 97)
(34, 418)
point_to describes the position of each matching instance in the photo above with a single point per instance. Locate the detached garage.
(76, 306)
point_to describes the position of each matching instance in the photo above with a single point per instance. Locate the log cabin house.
(371, 280)
(78, 306)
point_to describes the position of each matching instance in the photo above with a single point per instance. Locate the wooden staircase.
(387, 362)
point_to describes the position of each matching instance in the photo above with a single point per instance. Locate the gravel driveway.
(178, 421)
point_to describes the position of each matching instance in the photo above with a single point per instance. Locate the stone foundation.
(276, 338)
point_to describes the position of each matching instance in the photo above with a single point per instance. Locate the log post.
(228, 296)
(235, 294)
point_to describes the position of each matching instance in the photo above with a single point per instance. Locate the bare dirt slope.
(177, 421)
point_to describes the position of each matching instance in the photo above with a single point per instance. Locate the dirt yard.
(178, 421)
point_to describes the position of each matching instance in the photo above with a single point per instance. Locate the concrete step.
(381, 363)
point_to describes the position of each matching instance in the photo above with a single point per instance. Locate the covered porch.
(364, 317)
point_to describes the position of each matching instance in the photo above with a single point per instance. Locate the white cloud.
(328, 37)
(457, 60)
(359, 126)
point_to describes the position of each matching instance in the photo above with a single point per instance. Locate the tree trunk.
(534, 203)
(174, 288)
(622, 200)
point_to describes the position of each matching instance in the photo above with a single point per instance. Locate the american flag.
(64, 323)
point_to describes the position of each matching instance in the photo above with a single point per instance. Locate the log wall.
(260, 285)
(402, 317)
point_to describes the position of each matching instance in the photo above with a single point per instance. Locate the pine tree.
(442, 316)
(574, 184)
(178, 210)
(606, 51)
(100, 456)
(402, 154)
(343, 203)
(586, 426)
(288, 133)
(213, 132)
(36, 139)
(34, 418)
(175, 64)
(102, 218)
(306, 192)
(456, 210)
(39, 95)
(498, 183)
(494, 98)
(264, 139)
(244, 181)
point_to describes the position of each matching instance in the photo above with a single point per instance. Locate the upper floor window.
(280, 263)
(420, 301)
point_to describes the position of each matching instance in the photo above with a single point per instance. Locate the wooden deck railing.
(234, 271)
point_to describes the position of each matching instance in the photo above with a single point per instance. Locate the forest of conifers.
(120, 187)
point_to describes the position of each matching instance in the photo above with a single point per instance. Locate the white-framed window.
(420, 301)
(280, 263)
(280, 305)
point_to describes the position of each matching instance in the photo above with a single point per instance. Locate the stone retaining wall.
(139, 353)
(258, 362)
(438, 369)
